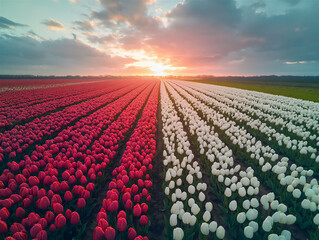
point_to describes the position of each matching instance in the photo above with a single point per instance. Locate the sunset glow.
(157, 68)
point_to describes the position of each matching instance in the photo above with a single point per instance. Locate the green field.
(302, 88)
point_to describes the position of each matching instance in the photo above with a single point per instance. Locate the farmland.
(156, 159)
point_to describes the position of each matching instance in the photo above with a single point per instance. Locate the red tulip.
(114, 206)
(3, 227)
(148, 183)
(144, 207)
(4, 213)
(68, 214)
(49, 216)
(35, 229)
(90, 187)
(81, 203)
(134, 189)
(98, 233)
(128, 204)
(44, 203)
(144, 220)
(17, 227)
(32, 219)
(121, 224)
(103, 224)
(101, 215)
(131, 233)
(126, 196)
(110, 233)
(60, 221)
(75, 218)
(52, 228)
(137, 210)
(68, 196)
(20, 236)
(20, 212)
(57, 208)
(55, 187)
(121, 214)
(42, 235)
(43, 222)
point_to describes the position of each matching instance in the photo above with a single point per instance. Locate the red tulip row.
(22, 98)
(18, 139)
(10, 115)
(59, 175)
(124, 211)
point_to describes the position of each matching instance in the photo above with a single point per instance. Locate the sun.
(157, 68)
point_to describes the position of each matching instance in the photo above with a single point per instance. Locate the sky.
(159, 37)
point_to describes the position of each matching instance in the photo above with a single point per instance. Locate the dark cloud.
(6, 23)
(64, 56)
(127, 12)
(53, 24)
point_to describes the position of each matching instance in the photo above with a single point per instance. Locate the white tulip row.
(187, 195)
(298, 146)
(300, 125)
(294, 177)
(228, 173)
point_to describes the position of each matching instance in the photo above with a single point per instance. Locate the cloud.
(86, 25)
(126, 12)
(7, 24)
(53, 25)
(25, 55)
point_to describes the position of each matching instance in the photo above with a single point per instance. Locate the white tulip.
(173, 220)
(204, 228)
(191, 189)
(201, 197)
(220, 232)
(191, 201)
(273, 237)
(267, 225)
(296, 193)
(249, 232)
(242, 192)
(195, 209)
(246, 204)
(233, 205)
(213, 226)
(241, 217)
(227, 192)
(286, 234)
(291, 219)
(186, 218)
(254, 225)
(206, 216)
(209, 206)
(193, 220)
(316, 219)
(178, 233)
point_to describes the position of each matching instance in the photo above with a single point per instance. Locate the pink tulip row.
(19, 138)
(124, 211)
(22, 98)
(58, 177)
(10, 115)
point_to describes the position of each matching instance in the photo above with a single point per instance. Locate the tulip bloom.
(137, 210)
(60, 221)
(75, 218)
(144, 220)
(121, 224)
(110, 233)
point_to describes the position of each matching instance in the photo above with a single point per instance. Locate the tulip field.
(156, 159)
